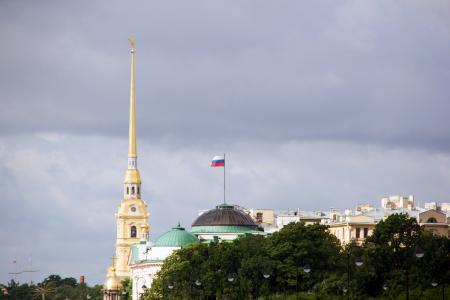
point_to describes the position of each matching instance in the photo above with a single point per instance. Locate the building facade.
(359, 223)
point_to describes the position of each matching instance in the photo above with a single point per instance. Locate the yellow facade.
(435, 221)
(359, 227)
(356, 228)
(262, 215)
(131, 216)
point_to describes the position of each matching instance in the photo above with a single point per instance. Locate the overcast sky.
(317, 104)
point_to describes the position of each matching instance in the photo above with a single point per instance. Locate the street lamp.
(230, 279)
(358, 262)
(198, 283)
(166, 284)
(419, 254)
(306, 268)
(170, 286)
(266, 275)
(435, 283)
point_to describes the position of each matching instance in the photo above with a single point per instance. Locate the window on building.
(133, 232)
(431, 220)
(132, 190)
(358, 233)
(138, 190)
(259, 217)
(128, 190)
(366, 232)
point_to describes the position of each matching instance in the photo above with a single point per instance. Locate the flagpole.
(224, 166)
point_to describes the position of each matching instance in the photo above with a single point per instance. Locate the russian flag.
(218, 161)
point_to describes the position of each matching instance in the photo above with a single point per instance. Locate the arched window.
(259, 217)
(432, 220)
(132, 190)
(128, 190)
(133, 231)
(138, 190)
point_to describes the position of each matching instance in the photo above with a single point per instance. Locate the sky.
(317, 104)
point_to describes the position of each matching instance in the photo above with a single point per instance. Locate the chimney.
(82, 279)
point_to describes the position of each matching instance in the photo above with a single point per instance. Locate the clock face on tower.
(133, 209)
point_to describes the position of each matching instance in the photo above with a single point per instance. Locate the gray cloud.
(367, 72)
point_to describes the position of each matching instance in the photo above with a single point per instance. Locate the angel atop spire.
(132, 40)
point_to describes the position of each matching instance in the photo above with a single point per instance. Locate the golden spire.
(132, 133)
(132, 175)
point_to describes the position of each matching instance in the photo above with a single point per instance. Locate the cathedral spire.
(132, 133)
(132, 215)
(132, 175)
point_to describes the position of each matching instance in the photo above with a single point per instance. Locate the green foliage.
(14, 290)
(201, 271)
(298, 245)
(126, 291)
(51, 288)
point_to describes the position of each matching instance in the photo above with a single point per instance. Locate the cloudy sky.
(317, 104)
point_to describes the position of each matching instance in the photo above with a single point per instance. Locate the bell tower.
(132, 213)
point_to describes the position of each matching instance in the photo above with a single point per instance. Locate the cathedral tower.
(132, 213)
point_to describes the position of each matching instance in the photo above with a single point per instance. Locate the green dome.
(177, 237)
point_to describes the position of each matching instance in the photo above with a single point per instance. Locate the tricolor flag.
(218, 161)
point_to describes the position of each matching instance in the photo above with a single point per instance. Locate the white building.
(145, 260)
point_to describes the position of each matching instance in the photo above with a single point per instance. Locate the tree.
(235, 270)
(14, 290)
(390, 251)
(298, 245)
(127, 289)
(55, 280)
(44, 290)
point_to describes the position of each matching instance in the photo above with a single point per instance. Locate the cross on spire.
(113, 260)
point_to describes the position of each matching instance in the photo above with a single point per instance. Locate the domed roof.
(112, 282)
(177, 237)
(225, 215)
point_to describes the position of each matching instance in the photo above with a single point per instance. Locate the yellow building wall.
(267, 215)
(132, 212)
